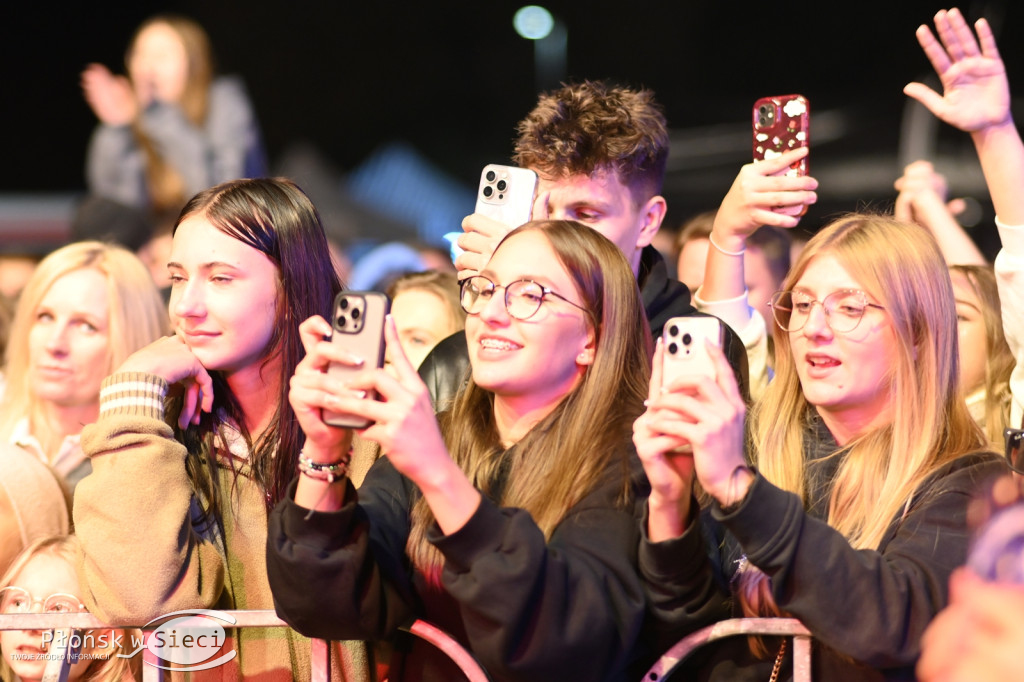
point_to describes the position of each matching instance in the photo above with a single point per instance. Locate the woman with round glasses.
(841, 499)
(42, 580)
(510, 525)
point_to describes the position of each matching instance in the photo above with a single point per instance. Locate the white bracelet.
(721, 250)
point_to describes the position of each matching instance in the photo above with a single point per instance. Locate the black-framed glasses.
(1014, 439)
(20, 600)
(522, 297)
(843, 309)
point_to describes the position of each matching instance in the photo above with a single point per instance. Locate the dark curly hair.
(591, 126)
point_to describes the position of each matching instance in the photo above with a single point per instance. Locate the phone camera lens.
(344, 304)
(687, 339)
(488, 191)
(355, 314)
(673, 331)
(490, 176)
(342, 321)
(673, 348)
(502, 185)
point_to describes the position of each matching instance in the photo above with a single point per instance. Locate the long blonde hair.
(999, 362)
(137, 318)
(899, 266)
(564, 457)
(109, 668)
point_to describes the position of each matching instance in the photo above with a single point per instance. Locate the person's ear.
(586, 356)
(652, 213)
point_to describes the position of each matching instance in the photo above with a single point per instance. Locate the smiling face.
(42, 576)
(69, 341)
(223, 297)
(535, 362)
(600, 201)
(845, 376)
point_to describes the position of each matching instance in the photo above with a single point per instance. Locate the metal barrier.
(777, 627)
(60, 654)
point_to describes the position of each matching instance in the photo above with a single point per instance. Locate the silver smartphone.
(358, 327)
(685, 352)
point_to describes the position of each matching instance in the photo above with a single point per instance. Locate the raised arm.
(976, 99)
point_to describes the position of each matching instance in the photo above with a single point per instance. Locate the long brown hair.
(273, 216)
(165, 184)
(564, 457)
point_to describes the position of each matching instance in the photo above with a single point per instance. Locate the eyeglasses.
(843, 309)
(1014, 439)
(522, 297)
(20, 600)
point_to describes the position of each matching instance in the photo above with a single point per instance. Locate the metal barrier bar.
(776, 627)
(320, 650)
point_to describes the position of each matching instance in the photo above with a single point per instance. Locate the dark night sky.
(453, 78)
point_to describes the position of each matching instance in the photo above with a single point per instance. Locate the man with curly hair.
(599, 151)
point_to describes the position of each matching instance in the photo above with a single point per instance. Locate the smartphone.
(685, 351)
(506, 194)
(358, 327)
(781, 123)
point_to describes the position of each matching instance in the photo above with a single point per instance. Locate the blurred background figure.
(33, 503)
(86, 308)
(170, 128)
(426, 309)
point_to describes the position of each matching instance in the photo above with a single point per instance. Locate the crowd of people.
(530, 480)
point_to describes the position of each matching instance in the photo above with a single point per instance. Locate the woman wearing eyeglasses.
(841, 499)
(42, 580)
(511, 525)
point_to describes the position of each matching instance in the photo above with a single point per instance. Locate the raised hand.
(976, 93)
(480, 237)
(110, 97)
(759, 196)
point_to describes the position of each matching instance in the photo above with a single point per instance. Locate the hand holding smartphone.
(358, 324)
(505, 194)
(685, 350)
(781, 123)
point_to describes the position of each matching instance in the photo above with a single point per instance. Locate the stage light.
(533, 22)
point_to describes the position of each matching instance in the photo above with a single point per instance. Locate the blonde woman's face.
(24, 650)
(844, 375)
(69, 340)
(970, 325)
(158, 65)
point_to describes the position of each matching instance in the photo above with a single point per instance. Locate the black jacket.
(446, 368)
(866, 609)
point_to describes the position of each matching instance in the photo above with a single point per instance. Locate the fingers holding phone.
(504, 201)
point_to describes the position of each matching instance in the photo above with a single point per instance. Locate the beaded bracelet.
(325, 471)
